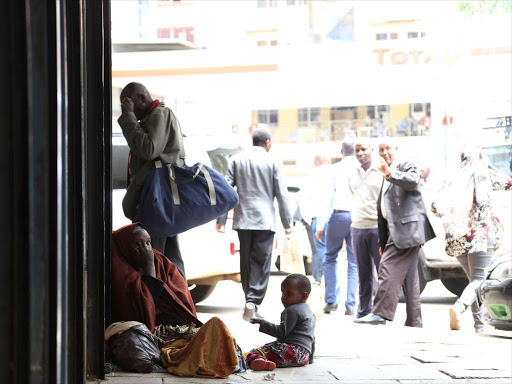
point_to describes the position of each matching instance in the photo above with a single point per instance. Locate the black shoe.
(371, 319)
(330, 307)
(349, 312)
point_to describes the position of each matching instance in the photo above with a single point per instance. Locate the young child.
(295, 342)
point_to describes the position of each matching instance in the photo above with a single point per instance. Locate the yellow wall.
(398, 112)
(288, 119)
(362, 111)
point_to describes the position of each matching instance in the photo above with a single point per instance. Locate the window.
(267, 3)
(262, 43)
(268, 116)
(423, 34)
(383, 108)
(412, 35)
(417, 107)
(308, 115)
(382, 36)
(273, 116)
(273, 43)
(393, 36)
(371, 111)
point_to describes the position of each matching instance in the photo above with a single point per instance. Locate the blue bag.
(175, 199)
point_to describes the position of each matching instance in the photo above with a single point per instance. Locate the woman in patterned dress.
(473, 230)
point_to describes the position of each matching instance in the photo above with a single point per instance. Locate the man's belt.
(340, 211)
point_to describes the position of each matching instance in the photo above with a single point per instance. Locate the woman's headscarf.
(131, 298)
(470, 184)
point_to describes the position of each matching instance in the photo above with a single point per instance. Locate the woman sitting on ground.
(146, 286)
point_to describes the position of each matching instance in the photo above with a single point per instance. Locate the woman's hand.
(143, 253)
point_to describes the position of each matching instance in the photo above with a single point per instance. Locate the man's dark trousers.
(170, 247)
(255, 258)
(395, 265)
(366, 248)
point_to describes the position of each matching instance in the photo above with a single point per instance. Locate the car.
(495, 293)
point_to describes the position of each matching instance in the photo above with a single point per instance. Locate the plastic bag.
(291, 260)
(134, 350)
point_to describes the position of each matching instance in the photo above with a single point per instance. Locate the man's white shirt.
(337, 195)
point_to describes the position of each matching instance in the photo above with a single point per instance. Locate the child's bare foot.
(262, 365)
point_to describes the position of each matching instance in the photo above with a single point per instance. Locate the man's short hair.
(347, 148)
(133, 86)
(260, 137)
(303, 283)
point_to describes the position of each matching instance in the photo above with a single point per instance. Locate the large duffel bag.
(175, 199)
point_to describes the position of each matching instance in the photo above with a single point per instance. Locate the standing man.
(310, 206)
(403, 228)
(152, 132)
(258, 180)
(340, 203)
(365, 185)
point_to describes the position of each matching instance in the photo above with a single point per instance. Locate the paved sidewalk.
(353, 353)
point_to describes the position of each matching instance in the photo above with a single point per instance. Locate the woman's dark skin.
(143, 252)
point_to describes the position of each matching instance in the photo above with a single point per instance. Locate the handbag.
(175, 199)
(291, 260)
(134, 349)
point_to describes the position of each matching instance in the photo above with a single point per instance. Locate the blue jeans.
(338, 230)
(319, 255)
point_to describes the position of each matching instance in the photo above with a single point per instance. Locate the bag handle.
(211, 187)
(174, 186)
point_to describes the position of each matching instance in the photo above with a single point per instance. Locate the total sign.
(418, 56)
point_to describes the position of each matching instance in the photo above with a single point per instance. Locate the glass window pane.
(273, 116)
(315, 114)
(263, 117)
(303, 115)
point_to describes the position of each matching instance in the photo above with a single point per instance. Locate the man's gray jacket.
(157, 136)
(406, 217)
(258, 179)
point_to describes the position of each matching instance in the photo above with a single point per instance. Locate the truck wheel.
(455, 285)
(201, 292)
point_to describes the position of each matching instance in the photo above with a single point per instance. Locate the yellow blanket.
(210, 353)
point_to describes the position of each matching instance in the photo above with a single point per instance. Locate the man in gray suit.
(258, 180)
(403, 228)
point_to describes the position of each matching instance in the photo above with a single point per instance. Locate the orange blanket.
(210, 353)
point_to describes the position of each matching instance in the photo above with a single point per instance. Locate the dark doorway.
(55, 147)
